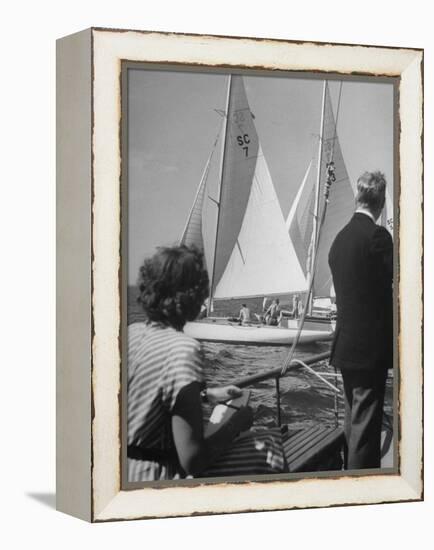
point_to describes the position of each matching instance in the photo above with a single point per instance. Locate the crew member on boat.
(203, 309)
(361, 261)
(273, 312)
(244, 315)
(165, 429)
(295, 303)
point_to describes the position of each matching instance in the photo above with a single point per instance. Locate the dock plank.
(315, 448)
(294, 443)
(308, 443)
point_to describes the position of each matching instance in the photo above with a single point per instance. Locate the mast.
(210, 306)
(317, 197)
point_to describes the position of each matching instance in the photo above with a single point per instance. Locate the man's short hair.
(371, 190)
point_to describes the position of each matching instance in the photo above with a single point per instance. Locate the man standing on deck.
(361, 261)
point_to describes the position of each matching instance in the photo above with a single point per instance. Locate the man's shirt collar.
(366, 212)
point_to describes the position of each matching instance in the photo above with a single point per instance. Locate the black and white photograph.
(216, 305)
(258, 264)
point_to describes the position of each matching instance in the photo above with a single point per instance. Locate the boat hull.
(257, 335)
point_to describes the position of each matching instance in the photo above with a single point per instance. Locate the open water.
(305, 400)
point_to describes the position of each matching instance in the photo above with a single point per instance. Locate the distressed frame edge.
(73, 275)
(411, 488)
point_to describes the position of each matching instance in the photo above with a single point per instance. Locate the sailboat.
(239, 225)
(302, 219)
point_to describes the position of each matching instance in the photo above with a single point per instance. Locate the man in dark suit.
(361, 261)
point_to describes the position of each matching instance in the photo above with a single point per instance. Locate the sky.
(172, 125)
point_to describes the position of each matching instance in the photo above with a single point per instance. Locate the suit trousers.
(364, 401)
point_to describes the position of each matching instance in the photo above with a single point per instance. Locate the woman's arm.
(195, 452)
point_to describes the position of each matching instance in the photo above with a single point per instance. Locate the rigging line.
(336, 122)
(313, 371)
(317, 200)
(316, 233)
(309, 293)
(214, 201)
(241, 252)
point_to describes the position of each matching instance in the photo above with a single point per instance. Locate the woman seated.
(166, 385)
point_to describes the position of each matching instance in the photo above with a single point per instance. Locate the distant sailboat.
(302, 219)
(239, 225)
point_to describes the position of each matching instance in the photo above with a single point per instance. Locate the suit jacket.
(361, 262)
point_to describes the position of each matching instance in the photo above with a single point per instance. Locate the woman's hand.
(225, 393)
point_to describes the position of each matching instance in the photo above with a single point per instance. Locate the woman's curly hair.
(173, 285)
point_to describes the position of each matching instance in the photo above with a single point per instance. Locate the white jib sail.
(263, 260)
(295, 204)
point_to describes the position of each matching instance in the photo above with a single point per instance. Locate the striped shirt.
(161, 361)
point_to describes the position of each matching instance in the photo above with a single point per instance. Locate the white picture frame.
(89, 170)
